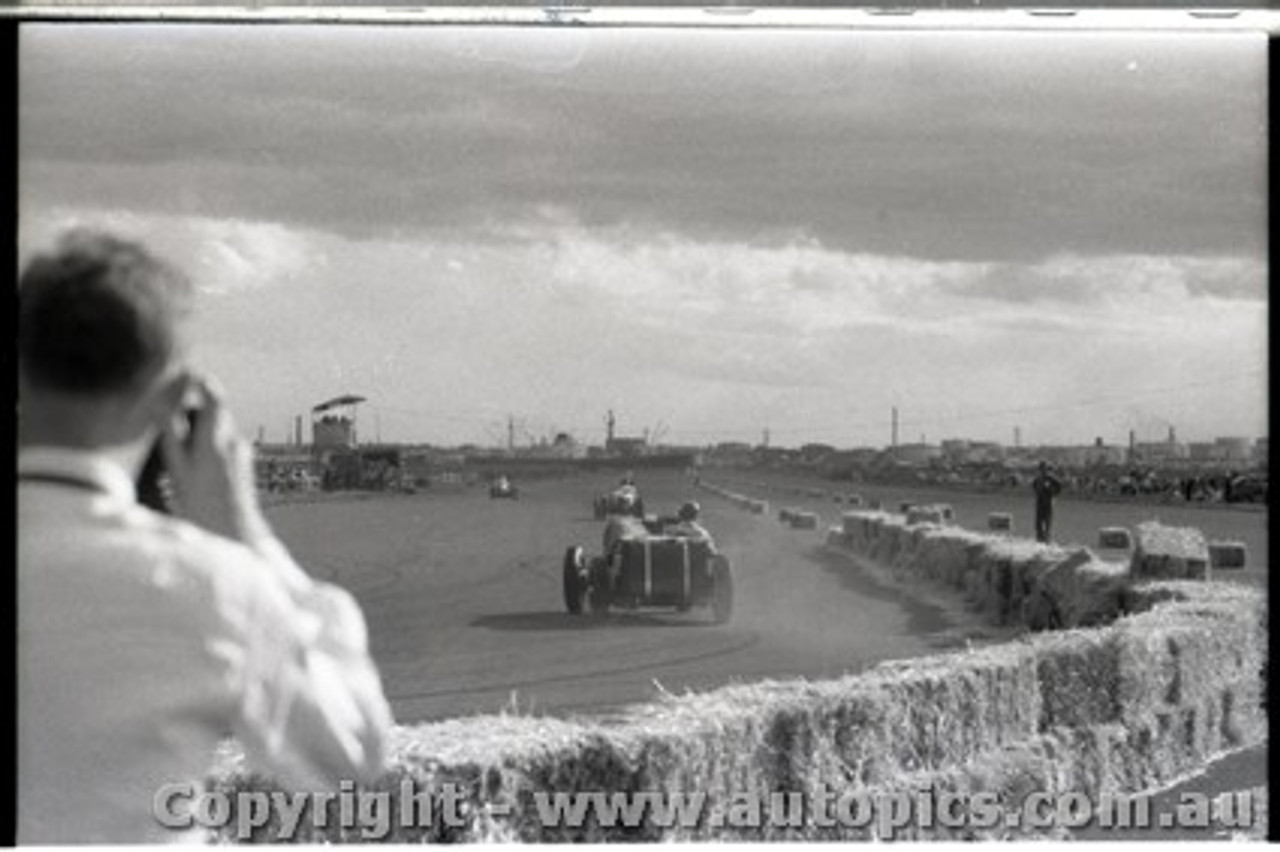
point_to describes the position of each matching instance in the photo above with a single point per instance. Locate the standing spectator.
(1046, 486)
(143, 637)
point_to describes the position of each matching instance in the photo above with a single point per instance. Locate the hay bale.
(804, 520)
(1162, 552)
(838, 539)
(1079, 677)
(905, 506)
(785, 513)
(1114, 538)
(1230, 555)
(925, 515)
(1000, 522)
(854, 523)
(1079, 591)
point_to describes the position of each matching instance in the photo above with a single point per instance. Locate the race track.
(463, 598)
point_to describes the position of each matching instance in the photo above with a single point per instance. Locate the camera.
(154, 485)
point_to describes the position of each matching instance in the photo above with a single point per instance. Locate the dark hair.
(98, 315)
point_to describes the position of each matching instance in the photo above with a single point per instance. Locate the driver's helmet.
(689, 511)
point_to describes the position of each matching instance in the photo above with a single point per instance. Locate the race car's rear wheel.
(598, 594)
(721, 590)
(574, 567)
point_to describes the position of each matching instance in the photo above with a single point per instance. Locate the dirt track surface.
(463, 598)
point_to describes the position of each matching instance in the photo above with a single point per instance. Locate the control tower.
(333, 423)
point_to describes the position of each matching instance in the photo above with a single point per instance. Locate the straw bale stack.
(1079, 591)
(1176, 553)
(943, 554)
(1121, 708)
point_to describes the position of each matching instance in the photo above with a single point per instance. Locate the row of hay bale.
(1198, 557)
(929, 513)
(1117, 709)
(1018, 581)
(756, 507)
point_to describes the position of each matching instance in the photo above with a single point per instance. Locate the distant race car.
(623, 500)
(502, 488)
(645, 564)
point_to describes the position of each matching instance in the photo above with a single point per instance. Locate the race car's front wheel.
(721, 590)
(574, 569)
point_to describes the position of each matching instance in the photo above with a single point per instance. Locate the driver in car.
(687, 522)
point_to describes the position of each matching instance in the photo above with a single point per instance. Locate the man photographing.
(145, 638)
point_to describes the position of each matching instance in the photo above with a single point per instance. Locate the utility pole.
(895, 428)
(511, 433)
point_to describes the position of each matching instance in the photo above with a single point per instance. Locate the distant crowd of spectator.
(1150, 483)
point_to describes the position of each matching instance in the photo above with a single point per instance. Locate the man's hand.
(211, 468)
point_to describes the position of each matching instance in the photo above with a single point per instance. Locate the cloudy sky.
(710, 232)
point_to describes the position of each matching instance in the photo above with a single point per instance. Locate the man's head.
(100, 329)
(689, 512)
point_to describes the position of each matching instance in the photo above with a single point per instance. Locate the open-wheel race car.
(645, 564)
(623, 500)
(502, 488)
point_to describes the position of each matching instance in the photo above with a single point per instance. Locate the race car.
(623, 500)
(502, 488)
(646, 563)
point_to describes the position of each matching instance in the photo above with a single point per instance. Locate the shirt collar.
(95, 469)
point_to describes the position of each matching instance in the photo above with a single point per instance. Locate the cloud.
(221, 255)
(1118, 285)
(983, 147)
(556, 318)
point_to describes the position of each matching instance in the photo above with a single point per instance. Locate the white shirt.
(688, 529)
(143, 640)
